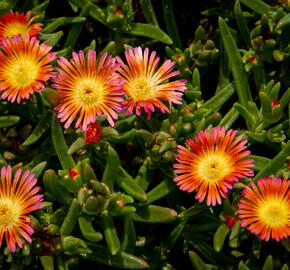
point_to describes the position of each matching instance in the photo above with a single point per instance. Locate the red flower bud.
(275, 103)
(73, 173)
(118, 11)
(230, 221)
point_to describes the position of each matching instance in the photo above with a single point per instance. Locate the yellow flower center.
(214, 166)
(274, 211)
(15, 28)
(9, 213)
(139, 89)
(90, 92)
(22, 71)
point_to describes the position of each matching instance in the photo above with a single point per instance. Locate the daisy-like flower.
(18, 198)
(24, 67)
(13, 24)
(88, 89)
(215, 161)
(146, 85)
(265, 208)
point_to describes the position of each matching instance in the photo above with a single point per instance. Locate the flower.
(265, 208)
(93, 133)
(146, 85)
(13, 24)
(18, 198)
(87, 89)
(216, 160)
(24, 67)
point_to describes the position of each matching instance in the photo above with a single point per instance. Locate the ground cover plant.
(138, 134)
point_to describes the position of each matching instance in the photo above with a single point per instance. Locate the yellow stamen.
(9, 212)
(90, 92)
(273, 212)
(15, 28)
(23, 71)
(139, 89)
(214, 166)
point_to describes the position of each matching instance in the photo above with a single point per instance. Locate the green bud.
(53, 230)
(83, 194)
(278, 55)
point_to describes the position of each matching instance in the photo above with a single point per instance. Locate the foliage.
(112, 203)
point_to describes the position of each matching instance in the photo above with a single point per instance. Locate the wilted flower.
(24, 67)
(146, 85)
(87, 89)
(216, 160)
(265, 208)
(18, 198)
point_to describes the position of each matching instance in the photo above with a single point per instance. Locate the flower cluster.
(87, 88)
(215, 160)
(90, 86)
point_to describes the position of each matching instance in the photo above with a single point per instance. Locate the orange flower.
(265, 208)
(18, 198)
(87, 89)
(13, 24)
(216, 160)
(146, 85)
(24, 67)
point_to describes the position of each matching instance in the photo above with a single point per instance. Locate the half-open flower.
(265, 208)
(18, 198)
(146, 85)
(25, 66)
(215, 161)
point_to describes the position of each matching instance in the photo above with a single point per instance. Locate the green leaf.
(170, 22)
(40, 129)
(229, 118)
(235, 62)
(127, 183)
(77, 145)
(71, 218)
(38, 169)
(244, 30)
(53, 186)
(8, 121)
(268, 265)
(110, 234)
(148, 11)
(122, 259)
(51, 39)
(60, 145)
(161, 190)
(154, 214)
(53, 24)
(111, 170)
(47, 262)
(275, 164)
(151, 31)
(258, 6)
(129, 235)
(87, 229)
(242, 266)
(197, 262)
(214, 104)
(260, 162)
(220, 236)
